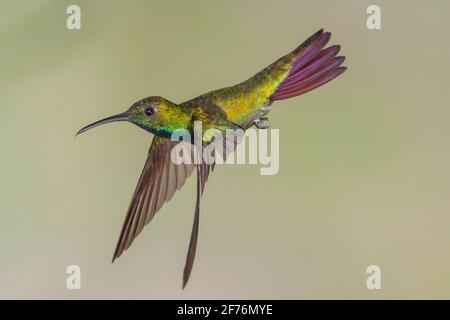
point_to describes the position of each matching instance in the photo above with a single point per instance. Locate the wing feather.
(159, 180)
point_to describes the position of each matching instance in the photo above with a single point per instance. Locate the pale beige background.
(364, 174)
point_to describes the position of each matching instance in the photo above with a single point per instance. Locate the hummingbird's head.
(154, 114)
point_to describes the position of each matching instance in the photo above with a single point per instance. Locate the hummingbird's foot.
(262, 123)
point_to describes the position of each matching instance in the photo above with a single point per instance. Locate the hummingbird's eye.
(149, 111)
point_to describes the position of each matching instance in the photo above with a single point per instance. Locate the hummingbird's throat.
(163, 132)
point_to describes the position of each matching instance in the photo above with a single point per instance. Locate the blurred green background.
(364, 160)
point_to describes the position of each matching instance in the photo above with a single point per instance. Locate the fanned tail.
(312, 67)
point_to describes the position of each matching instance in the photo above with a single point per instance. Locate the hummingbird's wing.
(159, 180)
(202, 176)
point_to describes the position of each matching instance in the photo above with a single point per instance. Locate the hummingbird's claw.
(262, 123)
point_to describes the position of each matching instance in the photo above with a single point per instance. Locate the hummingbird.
(244, 105)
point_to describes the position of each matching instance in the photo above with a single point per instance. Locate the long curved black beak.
(117, 117)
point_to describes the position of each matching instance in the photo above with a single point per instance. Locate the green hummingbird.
(240, 106)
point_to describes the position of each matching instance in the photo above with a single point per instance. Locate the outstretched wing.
(159, 180)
